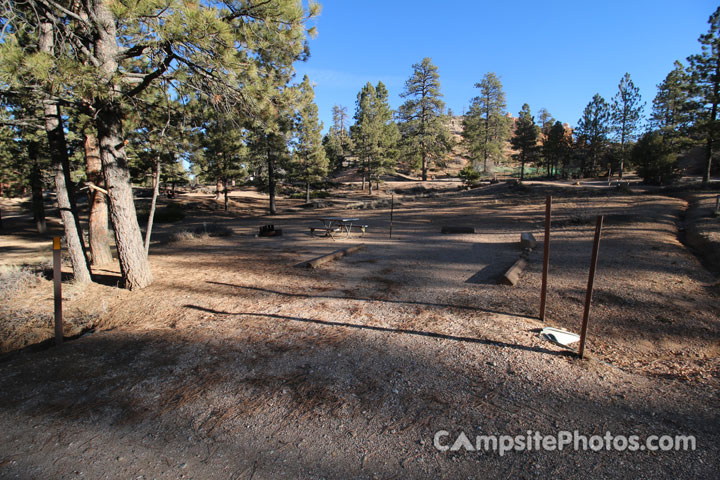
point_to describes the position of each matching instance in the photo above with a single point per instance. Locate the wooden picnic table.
(333, 225)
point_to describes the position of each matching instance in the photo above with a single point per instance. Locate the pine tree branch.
(148, 79)
(21, 123)
(50, 6)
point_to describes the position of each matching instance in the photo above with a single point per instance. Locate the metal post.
(392, 207)
(591, 281)
(546, 257)
(57, 281)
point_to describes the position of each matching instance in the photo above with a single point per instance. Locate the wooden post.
(392, 207)
(717, 207)
(591, 281)
(57, 281)
(546, 257)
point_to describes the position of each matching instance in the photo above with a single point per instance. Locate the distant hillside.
(457, 159)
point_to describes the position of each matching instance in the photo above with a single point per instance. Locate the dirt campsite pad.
(238, 363)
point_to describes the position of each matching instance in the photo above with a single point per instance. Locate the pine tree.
(337, 142)
(486, 126)
(524, 139)
(221, 149)
(310, 162)
(592, 132)
(556, 149)
(704, 73)
(671, 109)
(422, 124)
(545, 122)
(626, 115)
(374, 133)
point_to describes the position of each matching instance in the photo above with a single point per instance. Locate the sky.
(549, 54)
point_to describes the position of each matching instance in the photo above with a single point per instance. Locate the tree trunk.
(225, 192)
(153, 204)
(134, 264)
(307, 192)
(218, 188)
(61, 168)
(622, 159)
(271, 182)
(424, 165)
(708, 159)
(38, 205)
(98, 224)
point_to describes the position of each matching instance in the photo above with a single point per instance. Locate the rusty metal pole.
(392, 207)
(546, 257)
(591, 281)
(57, 281)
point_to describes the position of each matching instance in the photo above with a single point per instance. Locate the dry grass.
(15, 278)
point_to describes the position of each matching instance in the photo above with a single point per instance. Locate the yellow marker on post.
(57, 283)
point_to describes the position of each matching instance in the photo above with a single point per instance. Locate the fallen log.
(316, 262)
(512, 276)
(457, 229)
(527, 240)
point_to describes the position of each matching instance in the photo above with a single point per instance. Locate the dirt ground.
(239, 363)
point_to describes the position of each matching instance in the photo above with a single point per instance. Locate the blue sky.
(551, 54)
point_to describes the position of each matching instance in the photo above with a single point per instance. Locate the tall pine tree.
(525, 138)
(423, 126)
(626, 115)
(592, 132)
(556, 149)
(375, 134)
(310, 163)
(671, 107)
(486, 126)
(704, 72)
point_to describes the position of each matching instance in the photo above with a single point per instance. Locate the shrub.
(469, 175)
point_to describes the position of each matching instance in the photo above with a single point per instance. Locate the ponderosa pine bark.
(38, 205)
(98, 234)
(61, 171)
(134, 264)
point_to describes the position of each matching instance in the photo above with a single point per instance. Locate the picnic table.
(338, 225)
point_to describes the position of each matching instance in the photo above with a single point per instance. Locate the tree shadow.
(483, 341)
(367, 299)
